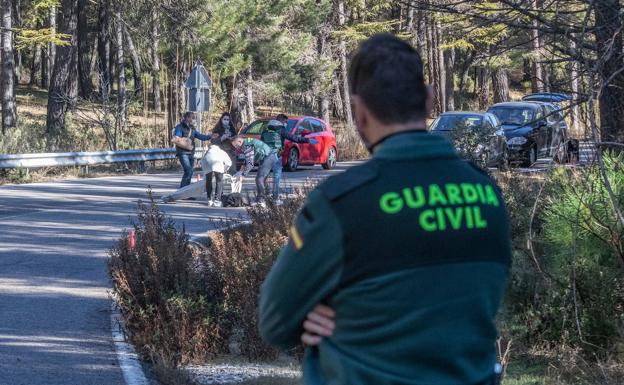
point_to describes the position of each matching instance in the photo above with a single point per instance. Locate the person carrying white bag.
(215, 162)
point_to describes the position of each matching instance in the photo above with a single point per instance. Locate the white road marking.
(128, 360)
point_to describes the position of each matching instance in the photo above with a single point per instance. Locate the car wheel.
(331, 159)
(531, 157)
(293, 160)
(503, 163)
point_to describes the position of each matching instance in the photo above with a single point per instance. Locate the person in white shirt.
(216, 162)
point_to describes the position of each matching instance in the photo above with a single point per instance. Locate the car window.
(305, 125)
(454, 121)
(317, 126)
(487, 126)
(291, 124)
(551, 114)
(495, 122)
(256, 127)
(509, 115)
(539, 114)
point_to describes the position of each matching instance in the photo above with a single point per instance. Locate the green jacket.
(411, 249)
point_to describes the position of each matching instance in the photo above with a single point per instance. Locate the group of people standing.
(220, 158)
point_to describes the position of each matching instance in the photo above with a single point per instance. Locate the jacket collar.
(414, 145)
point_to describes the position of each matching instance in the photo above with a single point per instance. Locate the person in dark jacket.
(222, 133)
(395, 269)
(274, 136)
(185, 129)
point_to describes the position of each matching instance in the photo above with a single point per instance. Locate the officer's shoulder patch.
(341, 184)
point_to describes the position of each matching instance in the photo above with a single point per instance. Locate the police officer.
(274, 136)
(394, 269)
(256, 151)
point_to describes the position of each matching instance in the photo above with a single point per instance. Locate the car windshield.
(451, 122)
(517, 116)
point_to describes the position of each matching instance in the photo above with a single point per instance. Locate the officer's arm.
(307, 270)
(250, 154)
(293, 138)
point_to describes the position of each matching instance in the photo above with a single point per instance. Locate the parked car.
(533, 129)
(492, 151)
(548, 97)
(324, 153)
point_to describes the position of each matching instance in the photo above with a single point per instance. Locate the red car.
(324, 153)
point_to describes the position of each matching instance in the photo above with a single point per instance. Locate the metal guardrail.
(88, 158)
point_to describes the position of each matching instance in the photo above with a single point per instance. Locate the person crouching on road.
(256, 151)
(185, 129)
(216, 162)
(274, 135)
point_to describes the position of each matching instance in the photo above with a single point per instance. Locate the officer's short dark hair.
(188, 114)
(387, 73)
(281, 117)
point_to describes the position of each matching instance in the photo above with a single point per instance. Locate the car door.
(497, 141)
(318, 133)
(304, 148)
(542, 131)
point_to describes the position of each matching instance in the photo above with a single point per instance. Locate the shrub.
(171, 304)
(242, 258)
(183, 304)
(571, 292)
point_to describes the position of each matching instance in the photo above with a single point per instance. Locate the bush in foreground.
(185, 305)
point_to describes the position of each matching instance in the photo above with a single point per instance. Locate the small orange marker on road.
(131, 240)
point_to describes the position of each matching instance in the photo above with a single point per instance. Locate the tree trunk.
(121, 67)
(435, 65)
(325, 81)
(575, 114)
(251, 113)
(483, 87)
(136, 63)
(500, 84)
(58, 95)
(440, 66)
(449, 64)
(51, 56)
(155, 61)
(609, 44)
(9, 108)
(537, 76)
(35, 68)
(84, 64)
(17, 16)
(338, 108)
(342, 53)
(103, 48)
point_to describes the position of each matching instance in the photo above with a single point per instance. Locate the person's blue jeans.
(277, 176)
(187, 161)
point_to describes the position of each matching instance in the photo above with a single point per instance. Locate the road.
(55, 325)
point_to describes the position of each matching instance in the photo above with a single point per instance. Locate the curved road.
(55, 325)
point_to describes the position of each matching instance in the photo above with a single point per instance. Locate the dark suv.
(533, 129)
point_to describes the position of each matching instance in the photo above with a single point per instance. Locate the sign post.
(199, 85)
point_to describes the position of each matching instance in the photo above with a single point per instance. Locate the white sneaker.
(216, 204)
(279, 202)
(210, 203)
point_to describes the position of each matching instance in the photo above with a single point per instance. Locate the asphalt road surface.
(55, 325)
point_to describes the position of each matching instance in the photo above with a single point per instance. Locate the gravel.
(236, 372)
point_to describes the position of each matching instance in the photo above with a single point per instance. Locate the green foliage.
(571, 293)
(28, 37)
